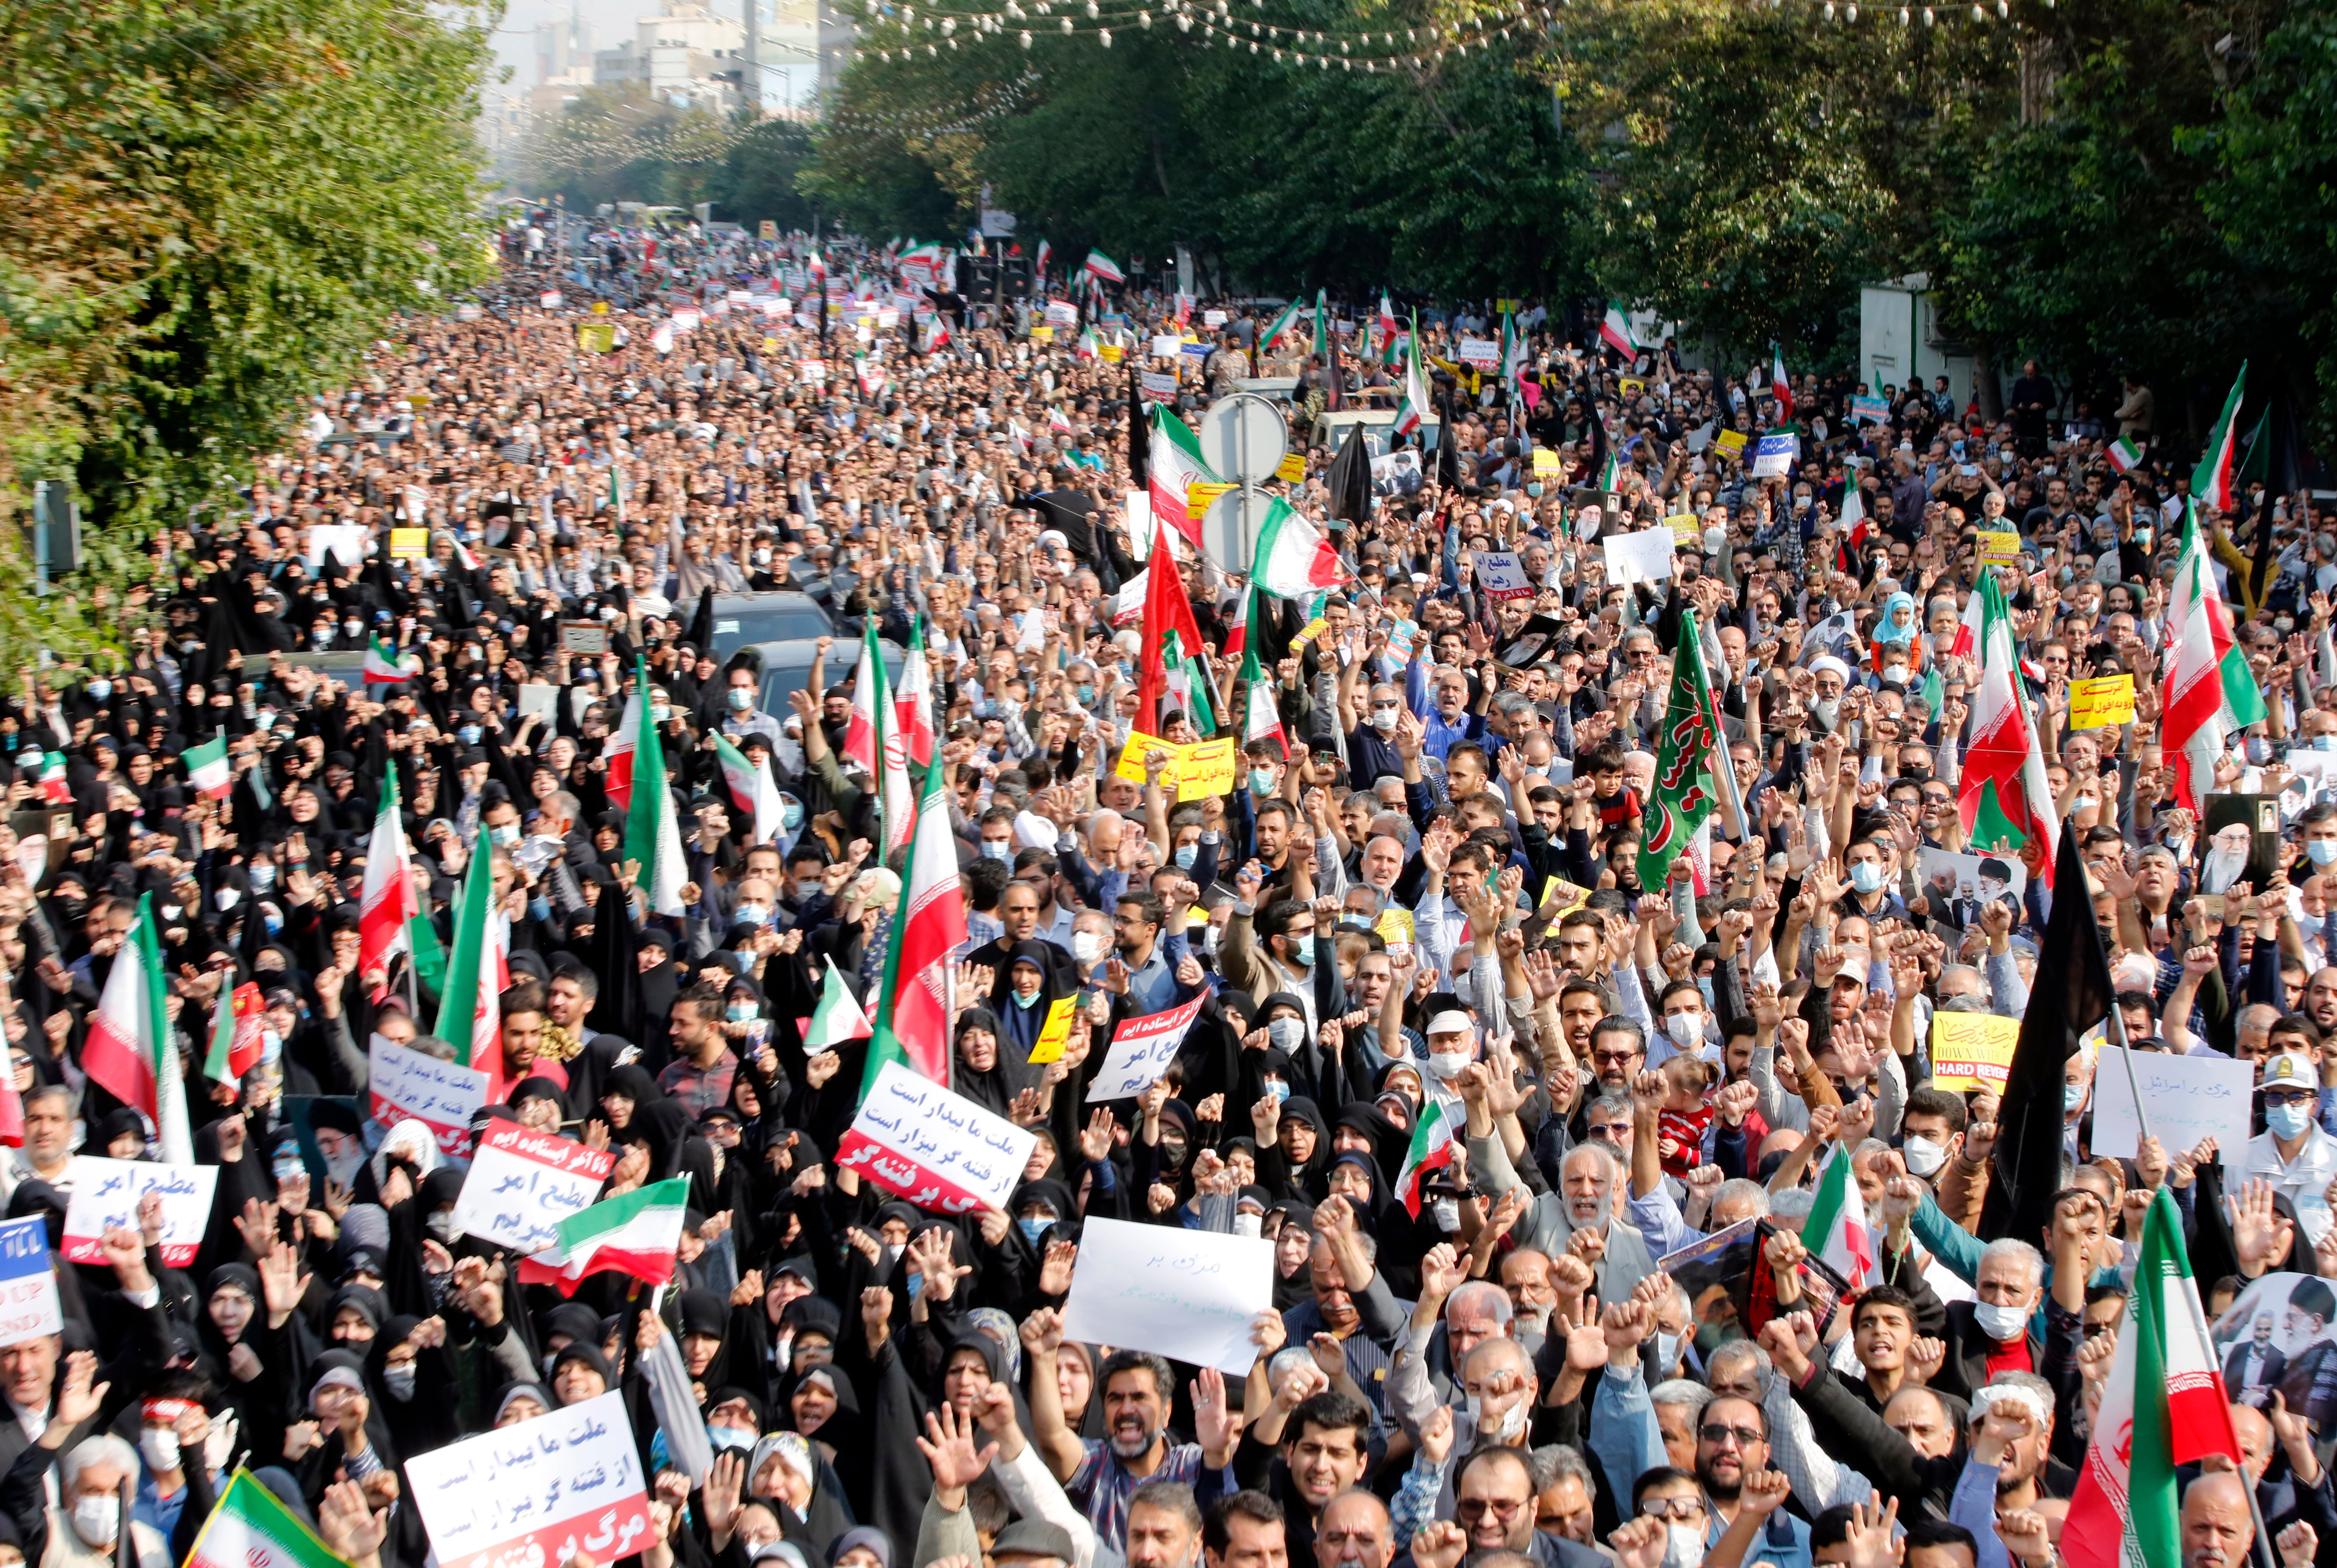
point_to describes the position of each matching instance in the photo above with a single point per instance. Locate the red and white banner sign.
(922, 1141)
(523, 1185)
(1141, 1050)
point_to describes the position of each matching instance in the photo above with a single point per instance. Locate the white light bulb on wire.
(1144, 20)
(1929, 19)
(1026, 39)
(1103, 36)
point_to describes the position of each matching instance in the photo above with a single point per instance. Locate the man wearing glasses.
(1494, 1510)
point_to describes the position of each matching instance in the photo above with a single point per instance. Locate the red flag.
(1166, 610)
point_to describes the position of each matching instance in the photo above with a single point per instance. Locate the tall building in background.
(836, 36)
(564, 50)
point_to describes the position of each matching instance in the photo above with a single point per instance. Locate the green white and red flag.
(2211, 693)
(636, 1234)
(388, 900)
(236, 1026)
(207, 769)
(1261, 715)
(1430, 1151)
(2211, 482)
(2004, 796)
(913, 704)
(382, 667)
(250, 1528)
(1175, 465)
(130, 1052)
(651, 835)
(2164, 1406)
(912, 1011)
(470, 1001)
(1837, 1222)
(1293, 561)
(1615, 331)
(752, 790)
(837, 1018)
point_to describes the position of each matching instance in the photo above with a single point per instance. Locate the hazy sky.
(609, 21)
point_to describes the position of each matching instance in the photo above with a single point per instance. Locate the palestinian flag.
(2211, 482)
(236, 1030)
(636, 1234)
(1294, 560)
(751, 788)
(2211, 693)
(1416, 394)
(1691, 748)
(387, 902)
(250, 1528)
(2004, 796)
(1281, 323)
(838, 1017)
(2124, 454)
(1430, 1151)
(1261, 716)
(470, 1002)
(206, 768)
(55, 790)
(130, 1052)
(1837, 1222)
(1615, 331)
(382, 667)
(912, 1010)
(1103, 269)
(2164, 1405)
(1175, 467)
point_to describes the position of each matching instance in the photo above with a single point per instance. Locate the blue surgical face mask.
(1025, 1003)
(2288, 1121)
(1534, 488)
(790, 813)
(740, 1012)
(2072, 1096)
(100, 690)
(751, 914)
(1866, 876)
(1279, 1090)
(1087, 694)
(1187, 854)
(1261, 780)
(917, 1286)
(263, 877)
(742, 698)
(1666, 1349)
(506, 834)
(469, 734)
(998, 848)
(2323, 850)
(1033, 1229)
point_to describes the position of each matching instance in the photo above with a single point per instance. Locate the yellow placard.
(1309, 633)
(770, 344)
(1131, 758)
(1292, 468)
(1999, 548)
(596, 337)
(1207, 768)
(1111, 352)
(1631, 387)
(1971, 1051)
(1043, 334)
(1199, 494)
(1731, 442)
(1565, 894)
(1395, 928)
(1685, 529)
(408, 544)
(2103, 701)
(1056, 1032)
(1545, 461)
(600, 307)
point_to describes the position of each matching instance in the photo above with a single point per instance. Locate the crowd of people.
(1421, 900)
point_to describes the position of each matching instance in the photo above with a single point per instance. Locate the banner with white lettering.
(933, 1147)
(442, 1095)
(540, 1492)
(522, 1184)
(30, 1306)
(106, 1193)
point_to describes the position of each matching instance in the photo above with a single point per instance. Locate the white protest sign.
(1187, 1295)
(536, 1492)
(522, 1184)
(2187, 1098)
(1642, 557)
(1062, 313)
(444, 1095)
(106, 1193)
(1166, 346)
(933, 1147)
(1479, 353)
(1141, 1050)
(1776, 455)
(344, 542)
(1500, 574)
(29, 1304)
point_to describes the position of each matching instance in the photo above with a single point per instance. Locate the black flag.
(2072, 994)
(1139, 433)
(700, 635)
(1349, 478)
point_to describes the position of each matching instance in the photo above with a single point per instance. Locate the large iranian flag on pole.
(2211, 482)
(2004, 794)
(1837, 1222)
(2210, 689)
(250, 1528)
(752, 790)
(1415, 393)
(617, 752)
(387, 902)
(1615, 330)
(913, 1012)
(1293, 561)
(476, 973)
(1175, 465)
(1281, 323)
(635, 1234)
(2164, 1405)
(131, 1052)
(913, 704)
(1261, 715)
(651, 836)
(1430, 1151)
(860, 732)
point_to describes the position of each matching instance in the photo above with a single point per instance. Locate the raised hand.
(949, 1449)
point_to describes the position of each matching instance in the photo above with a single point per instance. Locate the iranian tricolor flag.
(1386, 324)
(2210, 691)
(470, 1002)
(872, 739)
(837, 1018)
(617, 752)
(752, 790)
(250, 1528)
(2123, 454)
(1780, 387)
(2004, 794)
(913, 1012)
(206, 767)
(2211, 482)
(1103, 269)
(1294, 560)
(635, 1234)
(651, 836)
(236, 1031)
(1281, 323)
(1615, 331)
(1167, 609)
(1430, 1151)
(130, 1052)
(56, 790)
(860, 733)
(1261, 717)
(935, 335)
(1835, 1231)
(387, 902)
(1513, 351)
(1176, 465)
(2164, 1405)
(1416, 394)
(381, 666)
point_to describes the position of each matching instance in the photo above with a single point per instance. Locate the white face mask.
(1513, 1422)
(1384, 719)
(1923, 1156)
(1447, 1211)
(97, 1519)
(1249, 1224)
(1683, 1546)
(2001, 1323)
(159, 1446)
(1685, 1028)
(1447, 1064)
(1087, 946)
